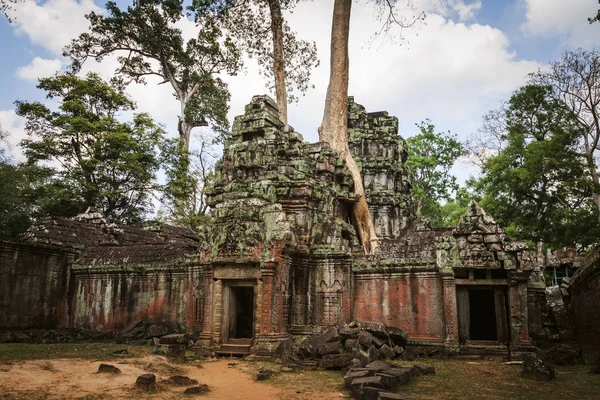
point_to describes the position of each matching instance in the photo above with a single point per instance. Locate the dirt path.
(75, 378)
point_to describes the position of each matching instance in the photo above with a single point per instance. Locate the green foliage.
(447, 214)
(537, 186)
(431, 155)
(249, 23)
(91, 158)
(148, 44)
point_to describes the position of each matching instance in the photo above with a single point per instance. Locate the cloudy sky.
(462, 61)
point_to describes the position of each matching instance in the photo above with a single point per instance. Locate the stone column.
(206, 335)
(450, 310)
(517, 294)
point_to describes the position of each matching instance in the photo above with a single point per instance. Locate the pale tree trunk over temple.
(334, 127)
(278, 58)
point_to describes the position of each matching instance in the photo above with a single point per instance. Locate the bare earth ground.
(68, 371)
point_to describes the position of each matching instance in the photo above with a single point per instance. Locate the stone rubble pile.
(381, 381)
(354, 344)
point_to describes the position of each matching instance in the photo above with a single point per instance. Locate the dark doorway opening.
(241, 312)
(482, 310)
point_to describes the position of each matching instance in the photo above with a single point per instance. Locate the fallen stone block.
(346, 332)
(369, 393)
(175, 338)
(108, 369)
(373, 354)
(378, 366)
(337, 361)
(180, 380)
(386, 352)
(264, 374)
(146, 382)
(350, 344)
(200, 389)
(390, 382)
(380, 341)
(535, 368)
(329, 348)
(365, 338)
(351, 375)
(403, 374)
(371, 381)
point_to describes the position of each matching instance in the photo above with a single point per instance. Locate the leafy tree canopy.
(148, 43)
(92, 158)
(537, 186)
(431, 155)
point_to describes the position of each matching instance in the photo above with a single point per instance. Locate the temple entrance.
(482, 313)
(241, 310)
(238, 312)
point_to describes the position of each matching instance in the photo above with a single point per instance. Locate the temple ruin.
(281, 260)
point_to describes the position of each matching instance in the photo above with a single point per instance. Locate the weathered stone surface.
(108, 369)
(346, 332)
(535, 368)
(369, 393)
(351, 375)
(365, 338)
(200, 389)
(390, 382)
(264, 374)
(563, 354)
(403, 374)
(337, 361)
(397, 336)
(386, 352)
(174, 338)
(371, 381)
(380, 341)
(146, 382)
(156, 330)
(378, 366)
(329, 348)
(180, 380)
(373, 354)
(350, 344)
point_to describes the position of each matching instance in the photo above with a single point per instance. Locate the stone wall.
(585, 304)
(34, 282)
(411, 300)
(112, 299)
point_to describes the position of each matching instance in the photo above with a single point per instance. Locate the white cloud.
(566, 19)
(14, 125)
(39, 68)
(450, 72)
(52, 24)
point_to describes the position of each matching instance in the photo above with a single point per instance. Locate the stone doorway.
(238, 313)
(482, 313)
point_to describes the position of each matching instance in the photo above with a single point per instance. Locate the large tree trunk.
(334, 128)
(278, 61)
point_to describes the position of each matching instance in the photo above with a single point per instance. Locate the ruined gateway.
(281, 259)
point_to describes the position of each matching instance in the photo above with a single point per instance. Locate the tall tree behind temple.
(258, 28)
(538, 186)
(431, 155)
(148, 44)
(92, 158)
(575, 80)
(334, 126)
